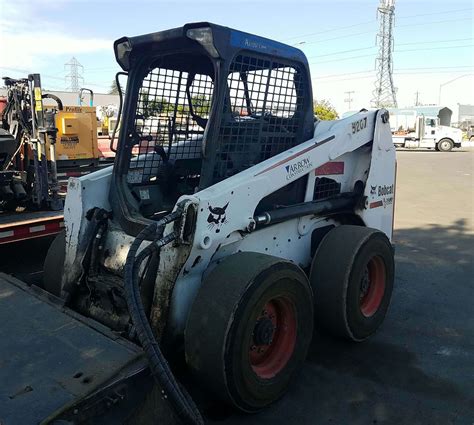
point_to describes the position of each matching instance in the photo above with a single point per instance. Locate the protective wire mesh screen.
(262, 113)
(325, 188)
(171, 114)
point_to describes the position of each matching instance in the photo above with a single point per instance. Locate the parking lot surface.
(419, 368)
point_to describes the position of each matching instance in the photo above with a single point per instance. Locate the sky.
(434, 42)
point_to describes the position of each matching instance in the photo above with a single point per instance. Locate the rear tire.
(249, 329)
(445, 145)
(352, 277)
(54, 265)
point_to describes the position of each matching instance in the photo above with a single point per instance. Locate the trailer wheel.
(445, 145)
(54, 265)
(249, 329)
(352, 277)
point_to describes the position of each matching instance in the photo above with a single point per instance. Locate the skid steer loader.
(241, 223)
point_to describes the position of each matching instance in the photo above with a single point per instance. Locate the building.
(442, 112)
(465, 116)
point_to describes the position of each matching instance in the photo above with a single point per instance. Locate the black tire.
(232, 346)
(445, 145)
(54, 265)
(352, 277)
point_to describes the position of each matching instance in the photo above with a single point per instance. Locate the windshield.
(172, 111)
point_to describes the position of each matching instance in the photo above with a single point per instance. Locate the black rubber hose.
(55, 98)
(182, 403)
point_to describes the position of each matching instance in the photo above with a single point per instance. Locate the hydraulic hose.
(55, 98)
(182, 403)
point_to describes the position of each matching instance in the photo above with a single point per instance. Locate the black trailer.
(57, 367)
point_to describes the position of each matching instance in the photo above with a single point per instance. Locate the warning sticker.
(38, 97)
(69, 142)
(135, 176)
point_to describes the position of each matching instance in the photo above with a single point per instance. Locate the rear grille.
(325, 188)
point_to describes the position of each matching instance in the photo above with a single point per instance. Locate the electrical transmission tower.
(384, 93)
(74, 79)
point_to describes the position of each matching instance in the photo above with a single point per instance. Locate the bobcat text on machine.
(241, 222)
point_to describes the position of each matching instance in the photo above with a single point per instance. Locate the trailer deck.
(51, 358)
(19, 226)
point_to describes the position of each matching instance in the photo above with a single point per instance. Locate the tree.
(113, 88)
(324, 110)
(201, 104)
(153, 107)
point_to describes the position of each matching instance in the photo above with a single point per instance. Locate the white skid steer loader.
(232, 221)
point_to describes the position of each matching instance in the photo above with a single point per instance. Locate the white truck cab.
(412, 129)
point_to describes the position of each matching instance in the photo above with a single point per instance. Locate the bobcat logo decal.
(217, 217)
(373, 189)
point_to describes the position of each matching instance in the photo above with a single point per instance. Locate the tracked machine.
(232, 224)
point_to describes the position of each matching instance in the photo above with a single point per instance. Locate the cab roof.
(220, 41)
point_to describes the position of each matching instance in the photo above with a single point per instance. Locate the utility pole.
(417, 93)
(74, 76)
(349, 99)
(384, 93)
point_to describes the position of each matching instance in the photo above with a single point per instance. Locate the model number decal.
(359, 125)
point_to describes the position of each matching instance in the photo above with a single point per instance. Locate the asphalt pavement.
(419, 367)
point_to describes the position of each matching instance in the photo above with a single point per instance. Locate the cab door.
(429, 136)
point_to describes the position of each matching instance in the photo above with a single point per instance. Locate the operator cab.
(203, 103)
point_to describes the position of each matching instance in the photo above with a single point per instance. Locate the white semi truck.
(413, 129)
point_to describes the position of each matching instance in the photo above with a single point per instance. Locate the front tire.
(352, 277)
(249, 329)
(445, 145)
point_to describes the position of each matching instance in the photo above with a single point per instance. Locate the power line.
(460, 67)
(26, 71)
(371, 32)
(339, 37)
(429, 72)
(438, 67)
(343, 59)
(433, 22)
(434, 13)
(330, 30)
(395, 51)
(372, 21)
(435, 48)
(433, 41)
(397, 44)
(343, 74)
(325, 78)
(341, 52)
